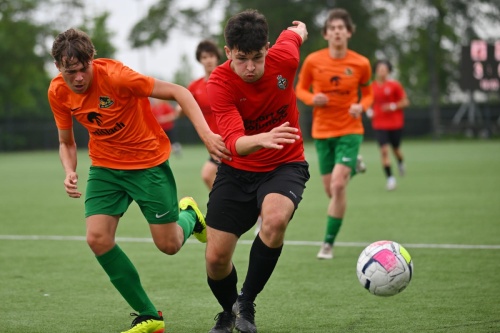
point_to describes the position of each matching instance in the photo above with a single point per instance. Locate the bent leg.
(122, 273)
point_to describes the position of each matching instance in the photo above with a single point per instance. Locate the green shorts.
(342, 149)
(111, 191)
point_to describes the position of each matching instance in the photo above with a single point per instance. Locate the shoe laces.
(247, 310)
(144, 318)
(223, 319)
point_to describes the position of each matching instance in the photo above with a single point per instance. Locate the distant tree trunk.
(435, 111)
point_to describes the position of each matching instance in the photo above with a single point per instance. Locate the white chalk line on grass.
(288, 243)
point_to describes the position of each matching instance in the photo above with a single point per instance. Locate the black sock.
(400, 160)
(225, 290)
(388, 171)
(261, 265)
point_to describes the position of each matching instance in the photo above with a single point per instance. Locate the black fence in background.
(32, 134)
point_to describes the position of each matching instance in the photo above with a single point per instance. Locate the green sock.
(125, 278)
(332, 228)
(187, 220)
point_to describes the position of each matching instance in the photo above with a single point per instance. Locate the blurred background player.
(166, 115)
(208, 55)
(336, 75)
(388, 118)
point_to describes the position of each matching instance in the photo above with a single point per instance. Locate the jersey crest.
(282, 82)
(105, 102)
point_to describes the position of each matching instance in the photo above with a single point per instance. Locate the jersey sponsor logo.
(267, 120)
(109, 131)
(282, 82)
(346, 159)
(95, 116)
(105, 102)
(335, 80)
(348, 71)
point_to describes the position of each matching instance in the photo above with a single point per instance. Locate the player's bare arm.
(365, 103)
(401, 104)
(274, 139)
(214, 143)
(67, 154)
(300, 29)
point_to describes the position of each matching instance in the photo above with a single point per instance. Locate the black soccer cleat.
(245, 316)
(224, 322)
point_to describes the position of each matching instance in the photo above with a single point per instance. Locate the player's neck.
(381, 79)
(338, 52)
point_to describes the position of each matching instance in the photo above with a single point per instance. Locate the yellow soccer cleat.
(200, 228)
(147, 324)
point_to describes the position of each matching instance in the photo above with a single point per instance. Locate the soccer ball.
(384, 268)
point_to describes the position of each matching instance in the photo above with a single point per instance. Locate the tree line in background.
(422, 38)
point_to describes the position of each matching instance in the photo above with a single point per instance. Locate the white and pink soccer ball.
(384, 268)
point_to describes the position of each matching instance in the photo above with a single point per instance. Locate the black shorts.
(392, 137)
(210, 159)
(236, 197)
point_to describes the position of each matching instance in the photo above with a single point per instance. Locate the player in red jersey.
(256, 113)
(129, 152)
(207, 54)
(388, 119)
(166, 115)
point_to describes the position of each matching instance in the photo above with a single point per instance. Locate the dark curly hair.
(247, 31)
(382, 61)
(73, 44)
(207, 46)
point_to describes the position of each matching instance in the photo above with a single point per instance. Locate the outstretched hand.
(279, 136)
(300, 29)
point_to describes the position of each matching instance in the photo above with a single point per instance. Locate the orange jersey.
(341, 80)
(123, 132)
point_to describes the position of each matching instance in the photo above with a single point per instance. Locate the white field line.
(288, 243)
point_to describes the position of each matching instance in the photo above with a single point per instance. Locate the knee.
(216, 261)
(169, 248)
(100, 243)
(338, 186)
(274, 226)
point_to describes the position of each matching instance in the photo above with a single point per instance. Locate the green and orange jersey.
(341, 80)
(123, 132)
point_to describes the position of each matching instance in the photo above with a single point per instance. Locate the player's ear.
(57, 66)
(227, 50)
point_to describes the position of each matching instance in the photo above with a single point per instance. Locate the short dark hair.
(340, 14)
(207, 46)
(73, 43)
(247, 31)
(382, 61)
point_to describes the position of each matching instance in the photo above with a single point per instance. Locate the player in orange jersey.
(336, 75)
(388, 118)
(129, 152)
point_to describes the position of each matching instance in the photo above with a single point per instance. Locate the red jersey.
(123, 133)
(199, 90)
(387, 92)
(242, 108)
(161, 109)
